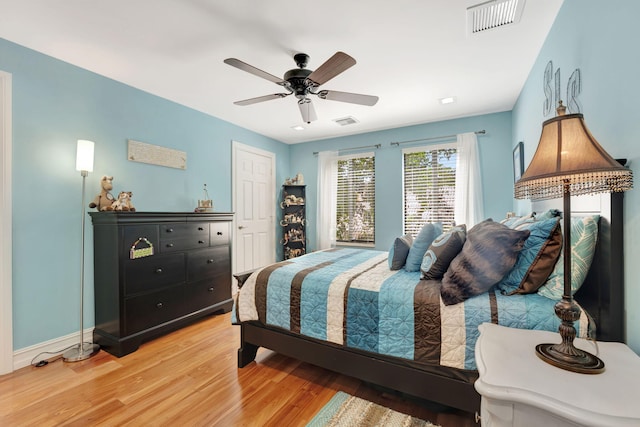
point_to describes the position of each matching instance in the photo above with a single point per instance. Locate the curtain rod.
(315, 153)
(478, 132)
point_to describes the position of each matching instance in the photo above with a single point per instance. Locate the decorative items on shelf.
(105, 201)
(296, 180)
(205, 205)
(293, 219)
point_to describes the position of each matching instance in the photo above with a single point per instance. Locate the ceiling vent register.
(493, 14)
(346, 121)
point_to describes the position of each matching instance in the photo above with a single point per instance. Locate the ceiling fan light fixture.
(301, 83)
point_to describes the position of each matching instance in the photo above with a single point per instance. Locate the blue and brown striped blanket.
(350, 297)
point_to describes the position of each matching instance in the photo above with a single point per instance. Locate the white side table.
(519, 389)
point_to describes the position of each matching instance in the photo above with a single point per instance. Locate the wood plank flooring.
(189, 378)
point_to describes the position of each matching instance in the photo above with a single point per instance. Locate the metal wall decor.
(553, 96)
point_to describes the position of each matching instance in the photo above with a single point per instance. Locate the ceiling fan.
(302, 83)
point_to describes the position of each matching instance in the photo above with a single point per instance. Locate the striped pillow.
(489, 252)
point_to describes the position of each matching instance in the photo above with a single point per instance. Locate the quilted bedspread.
(350, 297)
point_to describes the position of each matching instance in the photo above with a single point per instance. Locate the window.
(429, 182)
(355, 213)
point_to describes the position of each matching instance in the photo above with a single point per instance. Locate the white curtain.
(327, 199)
(469, 207)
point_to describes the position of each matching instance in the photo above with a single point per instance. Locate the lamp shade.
(84, 155)
(568, 154)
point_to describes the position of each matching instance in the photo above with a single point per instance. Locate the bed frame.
(602, 295)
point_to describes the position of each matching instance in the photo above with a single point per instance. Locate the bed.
(372, 336)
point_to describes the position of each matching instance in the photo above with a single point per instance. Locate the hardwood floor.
(188, 378)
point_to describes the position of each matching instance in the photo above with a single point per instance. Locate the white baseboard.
(24, 356)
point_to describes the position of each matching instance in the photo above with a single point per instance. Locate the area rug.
(346, 410)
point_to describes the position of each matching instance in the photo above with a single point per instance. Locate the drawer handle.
(201, 241)
(159, 271)
(209, 261)
(200, 229)
(210, 289)
(159, 305)
(169, 230)
(219, 233)
(169, 245)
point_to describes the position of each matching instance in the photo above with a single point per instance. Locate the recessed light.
(448, 100)
(297, 127)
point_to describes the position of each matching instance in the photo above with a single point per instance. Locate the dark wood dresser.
(154, 272)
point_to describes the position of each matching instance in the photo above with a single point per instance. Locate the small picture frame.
(518, 161)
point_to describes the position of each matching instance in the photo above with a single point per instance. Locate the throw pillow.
(399, 251)
(489, 252)
(441, 252)
(537, 258)
(584, 235)
(551, 213)
(421, 243)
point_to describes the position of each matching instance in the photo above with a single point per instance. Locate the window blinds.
(429, 179)
(356, 198)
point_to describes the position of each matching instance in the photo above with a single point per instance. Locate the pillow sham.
(421, 243)
(399, 251)
(584, 236)
(489, 252)
(441, 252)
(536, 260)
(514, 221)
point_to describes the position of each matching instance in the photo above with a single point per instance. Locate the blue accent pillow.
(421, 243)
(441, 252)
(537, 258)
(399, 251)
(584, 236)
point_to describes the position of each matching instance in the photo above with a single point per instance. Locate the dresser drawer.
(146, 311)
(178, 237)
(139, 236)
(207, 263)
(207, 293)
(153, 272)
(220, 233)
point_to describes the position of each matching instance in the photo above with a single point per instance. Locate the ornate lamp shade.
(568, 153)
(569, 161)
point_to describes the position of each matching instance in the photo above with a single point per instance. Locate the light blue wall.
(495, 159)
(54, 105)
(601, 40)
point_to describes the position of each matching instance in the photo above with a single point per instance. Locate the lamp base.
(77, 354)
(571, 359)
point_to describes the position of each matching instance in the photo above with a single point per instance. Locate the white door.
(254, 199)
(6, 322)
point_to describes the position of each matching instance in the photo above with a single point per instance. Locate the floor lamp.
(84, 164)
(569, 161)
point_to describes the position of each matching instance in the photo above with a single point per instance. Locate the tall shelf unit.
(294, 220)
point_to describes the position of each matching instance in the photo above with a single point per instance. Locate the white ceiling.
(410, 53)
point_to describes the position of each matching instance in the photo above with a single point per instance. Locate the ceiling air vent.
(346, 121)
(493, 14)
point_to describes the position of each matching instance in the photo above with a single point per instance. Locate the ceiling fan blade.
(261, 99)
(253, 70)
(307, 110)
(352, 98)
(335, 65)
